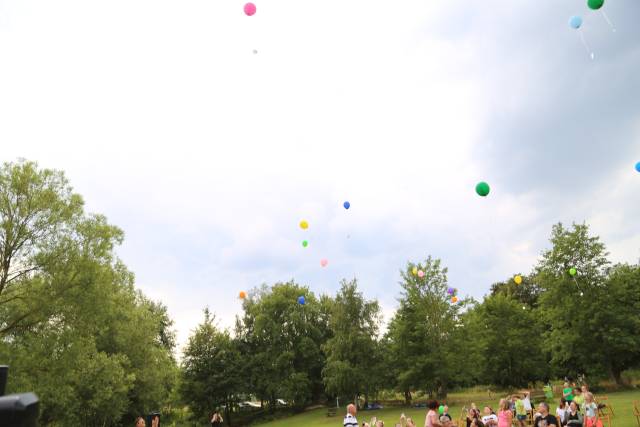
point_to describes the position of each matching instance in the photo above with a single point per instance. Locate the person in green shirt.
(578, 397)
(567, 392)
(521, 412)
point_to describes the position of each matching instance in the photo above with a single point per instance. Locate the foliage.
(72, 327)
(353, 354)
(211, 370)
(283, 340)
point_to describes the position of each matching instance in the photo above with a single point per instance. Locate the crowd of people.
(576, 408)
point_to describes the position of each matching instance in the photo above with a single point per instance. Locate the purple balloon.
(450, 291)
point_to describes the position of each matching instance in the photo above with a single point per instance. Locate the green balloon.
(573, 271)
(482, 189)
(595, 4)
(441, 409)
(305, 243)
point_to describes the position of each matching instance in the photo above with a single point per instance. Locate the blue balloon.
(346, 205)
(575, 22)
(301, 300)
(638, 166)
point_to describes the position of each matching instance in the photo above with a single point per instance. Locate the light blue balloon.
(575, 22)
(638, 166)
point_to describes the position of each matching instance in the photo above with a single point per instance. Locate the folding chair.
(636, 412)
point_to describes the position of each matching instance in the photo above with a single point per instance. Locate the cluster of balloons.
(453, 293)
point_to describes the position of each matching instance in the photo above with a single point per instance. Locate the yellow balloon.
(415, 270)
(518, 279)
(304, 224)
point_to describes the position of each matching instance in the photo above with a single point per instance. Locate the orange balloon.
(454, 300)
(243, 295)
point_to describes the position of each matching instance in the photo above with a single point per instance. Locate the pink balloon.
(324, 262)
(250, 9)
(420, 273)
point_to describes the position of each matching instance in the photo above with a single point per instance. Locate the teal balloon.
(483, 189)
(595, 4)
(575, 22)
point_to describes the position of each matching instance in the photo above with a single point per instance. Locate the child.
(489, 419)
(591, 412)
(521, 412)
(567, 392)
(504, 414)
(574, 417)
(561, 411)
(445, 418)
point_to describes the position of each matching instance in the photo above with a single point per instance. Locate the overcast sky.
(208, 155)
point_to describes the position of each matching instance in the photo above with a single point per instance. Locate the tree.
(592, 324)
(73, 327)
(507, 336)
(39, 216)
(423, 330)
(282, 340)
(526, 293)
(352, 351)
(210, 370)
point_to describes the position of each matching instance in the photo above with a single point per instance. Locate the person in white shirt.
(562, 410)
(350, 419)
(527, 402)
(490, 419)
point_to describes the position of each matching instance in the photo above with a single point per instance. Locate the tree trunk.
(407, 397)
(616, 375)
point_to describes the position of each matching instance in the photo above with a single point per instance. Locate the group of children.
(577, 408)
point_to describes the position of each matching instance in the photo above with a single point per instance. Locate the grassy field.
(621, 402)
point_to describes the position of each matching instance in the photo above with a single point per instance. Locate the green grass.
(621, 402)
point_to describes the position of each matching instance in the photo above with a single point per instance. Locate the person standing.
(545, 419)
(567, 392)
(504, 414)
(432, 416)
(521, 412)
(350, 419)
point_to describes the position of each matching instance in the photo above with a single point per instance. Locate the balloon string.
(606, 18)
(585, 44)
(577, 286)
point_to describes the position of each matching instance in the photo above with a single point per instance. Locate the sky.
(208, 155)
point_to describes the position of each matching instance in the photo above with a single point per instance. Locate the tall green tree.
(211, 371)
(590, 317)
(508, 337)
(353, 352)
(73, 327)
(282, 340)
(423, 331)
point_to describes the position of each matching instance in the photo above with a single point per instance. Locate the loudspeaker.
(4, 373)
(19, 410)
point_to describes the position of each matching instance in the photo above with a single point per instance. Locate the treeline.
(74, 329)
(551, 324)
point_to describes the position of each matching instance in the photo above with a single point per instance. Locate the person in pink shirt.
(504, 414)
